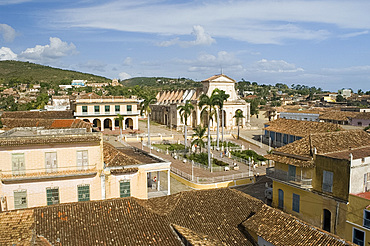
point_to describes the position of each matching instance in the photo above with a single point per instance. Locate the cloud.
(56, 49)
(7, 54)
(124, 75)
(212, 63)
(276, 66)
(7, 32)
(354, 34)
(262, 22)
(349, 70)
(201, 38)
(11, 2)
(127, 61)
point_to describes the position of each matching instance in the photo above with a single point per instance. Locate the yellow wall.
(355, 216)
(311, 207)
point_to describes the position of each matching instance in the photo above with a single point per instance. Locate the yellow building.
(49, 166)
(102, 111)
(313, 177)
(358, 219)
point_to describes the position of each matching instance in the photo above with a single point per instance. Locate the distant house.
(337, 117)
(300, 115)
(361, 119)
(59, 103)
(65, 87)
(78, 83)
(102, 111)
(283, 131)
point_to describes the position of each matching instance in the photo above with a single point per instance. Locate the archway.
(97, 123)
(240, 119)
(129, 123)
(108, 124)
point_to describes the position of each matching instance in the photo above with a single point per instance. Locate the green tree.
(207, 105)
(185, 111)
(221, 98)
(120, 122)
(238, 116)
(198, 137)
(340, 98)
(148, 99)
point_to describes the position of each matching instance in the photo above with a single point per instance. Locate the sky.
(314, 43)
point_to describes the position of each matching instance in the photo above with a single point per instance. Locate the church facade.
(165, 111)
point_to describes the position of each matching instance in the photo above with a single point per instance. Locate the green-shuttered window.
(83, 193)
(52, 196)
(124, 188)
(20, 199)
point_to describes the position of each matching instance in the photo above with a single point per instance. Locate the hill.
(162, 83)
(26, 72)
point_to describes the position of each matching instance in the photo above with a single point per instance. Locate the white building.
(165, 110)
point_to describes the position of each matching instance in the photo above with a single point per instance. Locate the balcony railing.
(281, 175)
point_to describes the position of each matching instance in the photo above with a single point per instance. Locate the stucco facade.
(165, 110)
(102, 111)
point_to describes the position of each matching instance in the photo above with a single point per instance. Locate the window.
(327, 183)
(83, 192)
(358, 237)
(84, 109)
(296, 202)
(107, 108)
(52, 196)
(20, 199)
(366, 218)
(82, 160)
(281, 199)
(51, 162)
(129, 108)
(291, 172)
(117, 108)
(96, 109)
(124, 188)
(367, 182)
(18, 167)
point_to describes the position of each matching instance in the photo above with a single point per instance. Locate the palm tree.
(238, 115)
(222, 97)
(148, 99)
(185, 111)
(120, 119)
(207, 105)
(199, 135)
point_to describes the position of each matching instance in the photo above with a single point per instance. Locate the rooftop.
(300, 152)
(68, 114)
(337, 115)
(362, 116)
(300, 128)
(357, 153)
(47, 123)
(203, 217)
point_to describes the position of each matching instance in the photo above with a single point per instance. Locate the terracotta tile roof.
(16, 228)
(337, 115)
(124, 171)
(282, 229)
(115, 158)
(72, 123)
(49, 139)
(365, 195)
(47, 123)
(357, 153)
(195, 238)
(299, 153)
(203, 217)
(68, 114)
(362, 116)
(300, 128)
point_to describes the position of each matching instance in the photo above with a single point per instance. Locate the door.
(326, 220)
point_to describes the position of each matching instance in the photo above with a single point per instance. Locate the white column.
(101, 124)
(158, 181)
(168, 182)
